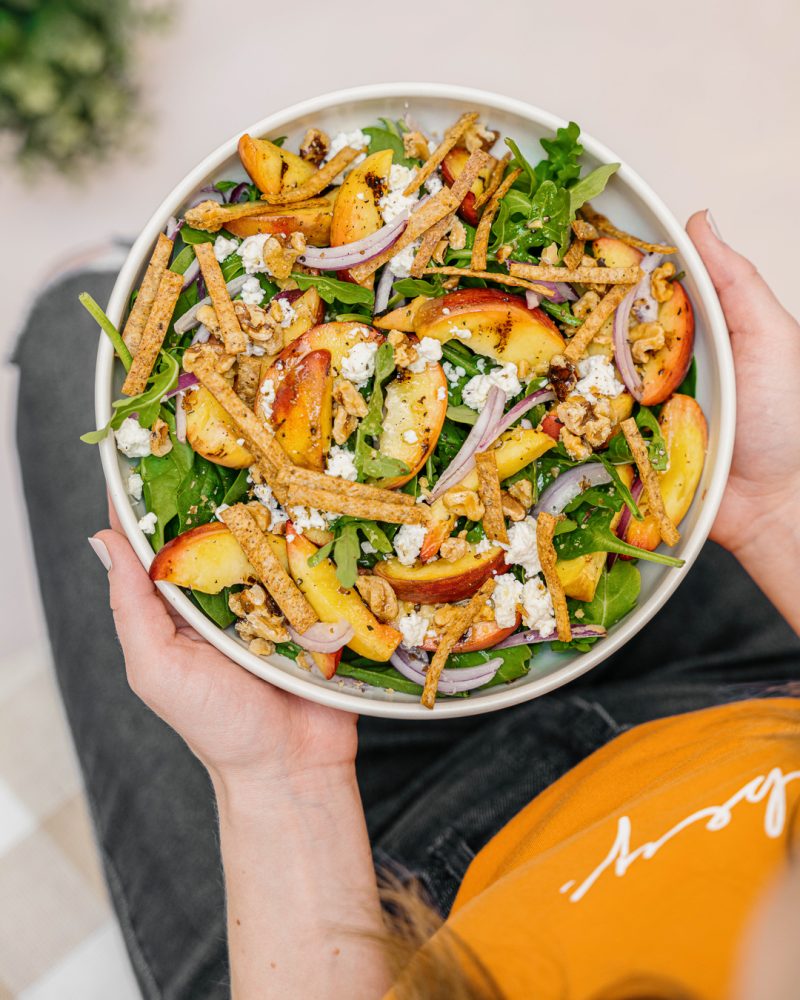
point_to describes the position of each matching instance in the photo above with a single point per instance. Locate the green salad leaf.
(616, 596)
(108, 328)
(562, 164)
(619, 452)
(410, 288)
(594, 534)
(389, 136)
(161, 478)
(215, 606)
(146, 404)
(369, 463)
(334, 290)
(345, 549)
(689, 385)
(591, 185)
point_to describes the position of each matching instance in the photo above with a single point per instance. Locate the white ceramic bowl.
(629, 201)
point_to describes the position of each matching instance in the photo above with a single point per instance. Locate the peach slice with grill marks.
(442, 582)
(271, 168)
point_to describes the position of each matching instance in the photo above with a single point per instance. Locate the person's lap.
(434, 792)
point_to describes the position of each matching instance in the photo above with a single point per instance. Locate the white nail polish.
(101, 552)
(712, 225)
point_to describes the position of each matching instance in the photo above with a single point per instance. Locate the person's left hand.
(237, 724)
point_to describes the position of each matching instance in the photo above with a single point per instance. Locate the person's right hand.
(764, 485)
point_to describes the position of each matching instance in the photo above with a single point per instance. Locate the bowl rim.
(333, 695)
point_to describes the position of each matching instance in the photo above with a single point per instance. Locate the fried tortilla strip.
(545, 529)
(270, 458)
(586, 275)
(335, 502)
(494, 182)
(276, 581)
(210, 216)
(458, 626)
(233, 338)
(494, 522)
(574, 255)
(650, 484)
(584, 230)
(451, 137)
(317, 182)
(137, 318)
(169, 288)
(321, 480)
(461, 188)
(501, 279)
(590, 327)
(606, 226)
(422, 218)
(480, 247)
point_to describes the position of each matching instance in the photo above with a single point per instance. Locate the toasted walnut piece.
(265, 625)
(464, 503)
(346, 394)
(245, 382)
(453, 549)
(522, 492)
(458, 235)
(207, 317)
(504, 252)
(261, 647)
(405, 353)
(646, 339)
(511, 506)
(259, 326)
(576, 449)
(379, 596)
(315, 145)
(160, 442)
(660, 285)
(585, 304)
(587, 261)
(591, 421)
(245, 601)
(344, 424)
(479, 137)
(572, 413)
(416, 146)
(280, 256)
(549, 255)
(563, 376)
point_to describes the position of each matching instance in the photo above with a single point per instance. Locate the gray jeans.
(434, 793)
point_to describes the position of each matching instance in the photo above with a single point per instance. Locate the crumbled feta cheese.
(357, 139)
(148, 523)
(394, 201)
(413, 627)
(134, 486)
(223, 247)
(240, 442)
(307, 517)
(453, 372)
(460, 332)
(251, 250)
(288, 313)
(521, 547)
(410, 437)
(368, 549)
(429, 350)
(537, 607)
(598, 378)
(132, 440)
(477, 389)
(221, 510)
(267, 397)
(526, 424)
(441, 393)
(341, 463)
(252, 292)
(264, 495)
(358, 365)
(433, 185)
(400, 265)
(446, 310)
(505, 598)
(483, 546)
(408, 542)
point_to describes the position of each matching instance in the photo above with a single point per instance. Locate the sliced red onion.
(383, 290)
(236, 193)
(622, 527)
(532, 299)
(201, 335)
(173, 227)
(569, 485)
(323, 637)
(622, 348)
(186, 380)
(350, 254)
(465, 459)
(452, 681)
(531, 636)
(180, 419)
(189, 319)
(207, 193)
(191, 273)
(519, 409)
(560, 292)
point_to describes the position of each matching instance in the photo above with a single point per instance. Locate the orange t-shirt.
(642, 863)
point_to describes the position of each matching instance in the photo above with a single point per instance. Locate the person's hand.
(239, 726)
(764, 484)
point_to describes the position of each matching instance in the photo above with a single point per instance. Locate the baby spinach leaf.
(462, 414)
(182, 261)
(334, 290)
(199, 494)
(215, 606)
(237, 488)
(618, 452)
(192, 236)
(388, 137)
(594, 534)
(591, 185)
(377, 675)
(369, 463)
(616, 595)
(161, 478)
(689, 385)
(346, 551)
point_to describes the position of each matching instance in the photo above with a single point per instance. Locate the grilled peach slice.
(442, 582)
(666, 369)
(302, 413)
(209, 559)
(482, 635)
(402, 318)
(211, 432)
(309, 311)
(338, 338)
(313, 221)
(452, 165)
(357, 213)
(271, 168)
(416, 405)
(333, 602)
(686, 435)
(611, 252)
(492, 323)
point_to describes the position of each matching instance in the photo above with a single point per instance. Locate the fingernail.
(712, 225)
(101, 552)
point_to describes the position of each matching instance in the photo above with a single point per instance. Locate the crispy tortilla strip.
(494, 522)
(335, 502)
(584, 230)
(494, 182)
(334, 484)
(210, 216)
(461, 188)
(317, 182)
(545, 529)
(606, 226)
(586, 275)
(650, 484)
(401, 319)
(137, 318)
(451, 137)
(586, 333)
(501, 279)
(233, 338)
(280, 586)
(574, 255)
(422, 218)
(457, 627)
(169, 288)
(480, 247)
(270, 458)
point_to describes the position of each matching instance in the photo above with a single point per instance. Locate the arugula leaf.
(108, 328)
(460, 356)
(378, 675)
(369, 463)
(215, 606)
(334, 290)
(563, 155)
(619, 453)
(561, 311)
(388, 137)
(551, 207)
(346, 551)
(528, 176)
(147, 404)
(621, 487)
(192, 236)
(591, 185)
(290, 649)
(594, 534)
(616, 595)
(409, 288)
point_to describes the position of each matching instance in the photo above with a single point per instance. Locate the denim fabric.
(434, 793)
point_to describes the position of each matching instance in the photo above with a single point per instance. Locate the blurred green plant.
(67, 90)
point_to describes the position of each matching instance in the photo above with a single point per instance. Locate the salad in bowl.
(408, 408)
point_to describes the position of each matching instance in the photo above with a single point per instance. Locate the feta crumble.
(288, 313)
(537, 607)
(453, 373)
(148, 523)
(521, 547)
(368, 549)
(413, 628)
(598, 378)
(223, 247)
(252, 292)
(483, 546)
(307, 517)
(408, 542)
(394, 201)
(505, 598)
(267, 392)
(251, 250)
(265, 496)
(460, 332)
(358, 365)
(433, 185)
(357, 139)
(132, 440)
(410, 437)
(441, 393)
(429, 350)
(505, 377)
(400, 265)
(134, 486)
(341, 463)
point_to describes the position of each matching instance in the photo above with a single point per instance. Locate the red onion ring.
(189, 318)
(191, 273)
(622, 348)
(465, 458)
(453, 681)
(532, 636)
(350, 254)
(173, 227)
(622, 527)
(235, 193)
(569, 485)
(560, 292)
(185, 381)
(383, 290)
(520, 409)
(207, 193)
(323, 637)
